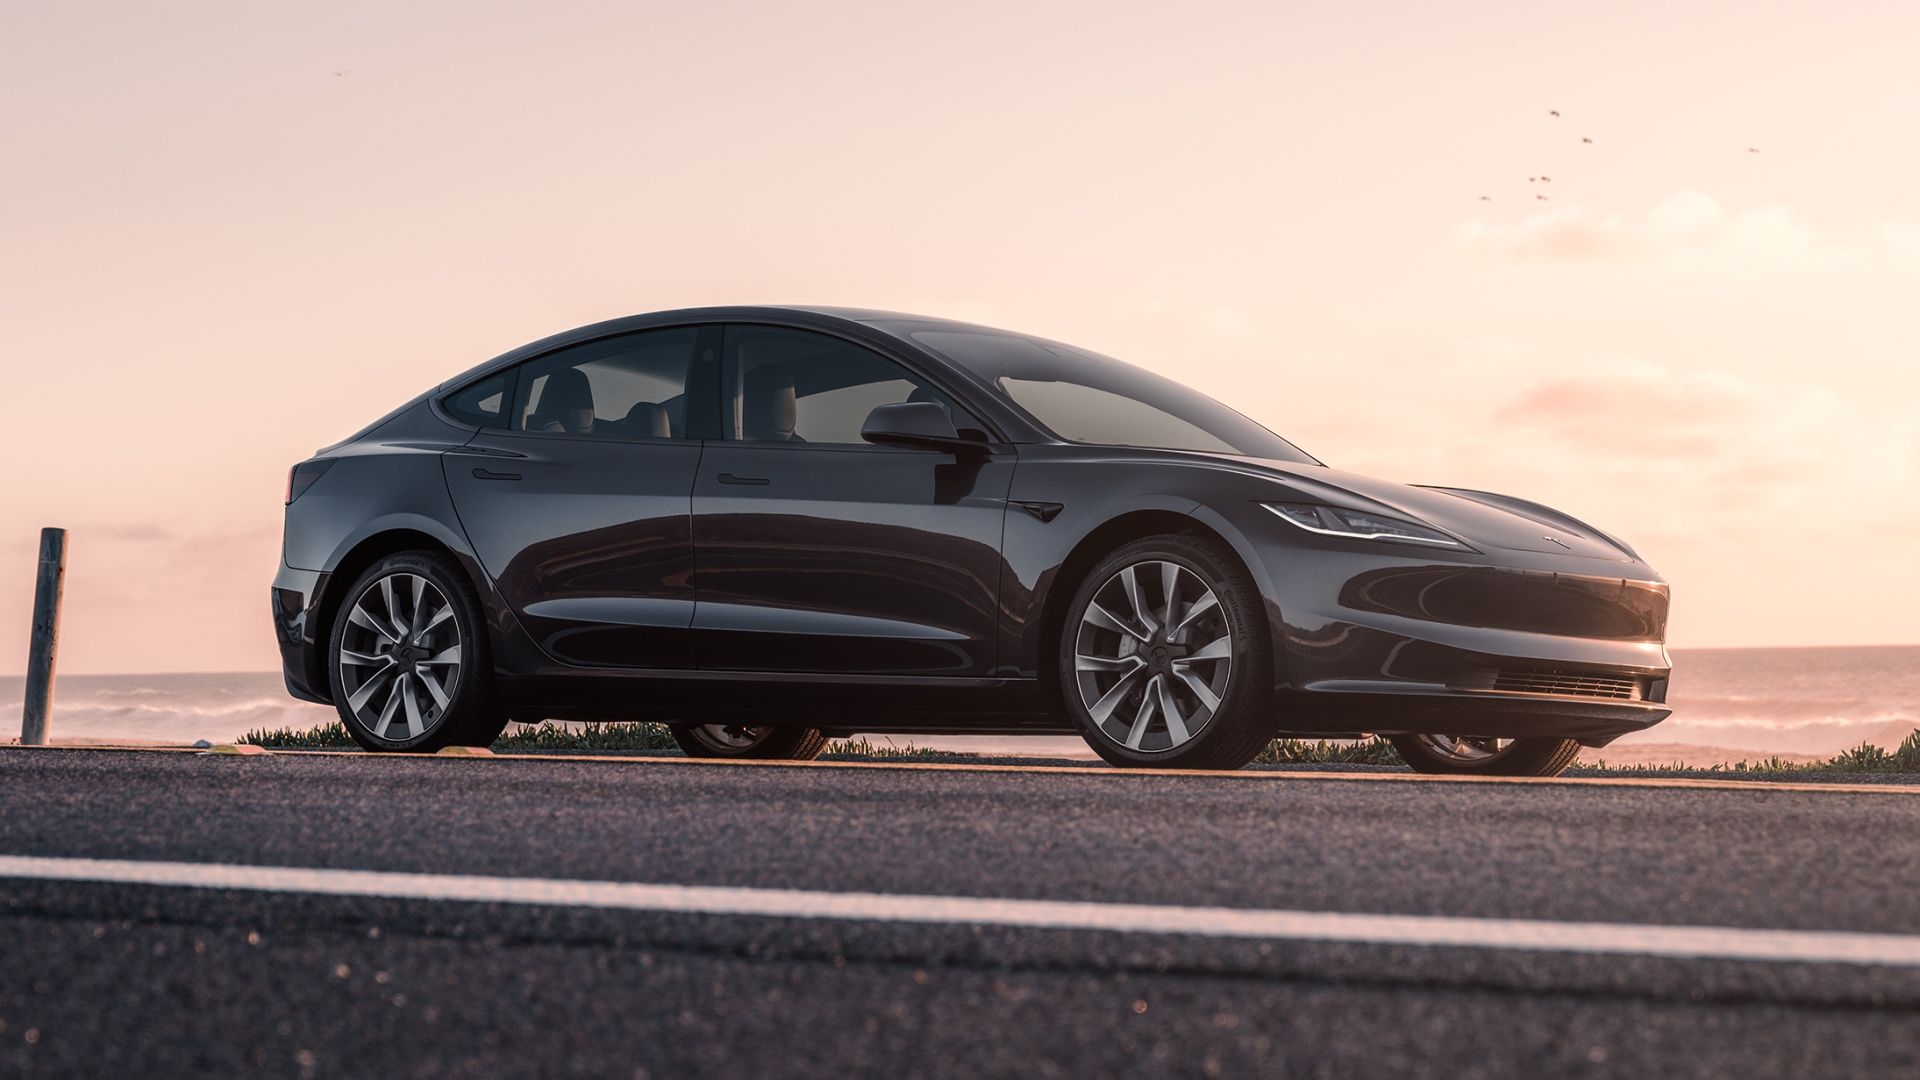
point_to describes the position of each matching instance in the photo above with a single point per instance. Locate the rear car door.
(578, 498)
(818, 552)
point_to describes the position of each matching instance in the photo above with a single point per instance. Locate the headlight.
(1358, 524)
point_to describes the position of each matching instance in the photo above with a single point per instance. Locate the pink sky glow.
(235, 232)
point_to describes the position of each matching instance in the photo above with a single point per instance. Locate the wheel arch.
(1110, 535)
(354, 561)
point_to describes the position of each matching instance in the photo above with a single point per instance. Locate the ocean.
(1799, 701)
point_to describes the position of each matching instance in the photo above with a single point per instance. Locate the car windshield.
(1084, 397)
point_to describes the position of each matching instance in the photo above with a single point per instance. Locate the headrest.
(647, 421)
(770, 408)
(566, 400)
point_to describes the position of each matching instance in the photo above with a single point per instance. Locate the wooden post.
(46, 637)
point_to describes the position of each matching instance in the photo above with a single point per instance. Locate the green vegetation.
(519, 739)
(861, 748)
(595, 738)
(1369, 751)
(590, 738)
(323, 737)
(1865, 758)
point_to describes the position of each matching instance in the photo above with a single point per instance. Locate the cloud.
(1666, 452)
(1627, 406)
(135, 533)
(1690, 228)
(154, 562)
(1692, 455)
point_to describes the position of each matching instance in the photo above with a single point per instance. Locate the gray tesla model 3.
(764, 526)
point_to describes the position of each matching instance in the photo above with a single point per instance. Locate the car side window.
(633, 386)
(786, 385)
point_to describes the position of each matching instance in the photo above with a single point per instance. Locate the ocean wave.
(1826, 735)
(1787, 719)
(144, 711)
(1780, 710)
(222, 721)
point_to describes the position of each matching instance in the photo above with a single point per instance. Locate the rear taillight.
(302, 476)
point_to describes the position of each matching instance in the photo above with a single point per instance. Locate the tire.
(1115, 665)
(1463, 756)
(743, 742)
(442, 653)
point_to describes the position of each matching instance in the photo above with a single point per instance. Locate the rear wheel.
(1474, 755)
(1165, 660)
(409, 662)
(743, 741)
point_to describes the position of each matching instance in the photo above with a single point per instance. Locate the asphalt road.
(115, 979)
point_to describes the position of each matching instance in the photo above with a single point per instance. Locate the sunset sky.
(236, 232)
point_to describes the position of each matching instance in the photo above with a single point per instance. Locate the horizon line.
(1671, 648)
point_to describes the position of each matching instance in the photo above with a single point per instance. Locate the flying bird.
(1584, 139)
(1546, 179)
(1753, 149)
(1553, 112)
(1486, 198)
(1542, 198)
(1533, 179)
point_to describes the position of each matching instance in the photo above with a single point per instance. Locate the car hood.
(1481, 518)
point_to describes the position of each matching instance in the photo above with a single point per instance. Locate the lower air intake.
(1584, 684)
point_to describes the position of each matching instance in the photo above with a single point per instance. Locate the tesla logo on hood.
(1557, 540)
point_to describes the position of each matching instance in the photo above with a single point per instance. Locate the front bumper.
(1389, 639)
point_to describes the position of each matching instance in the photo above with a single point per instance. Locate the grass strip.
(1865, 759)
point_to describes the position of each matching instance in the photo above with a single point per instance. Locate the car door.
(819, 552)
(578, 499)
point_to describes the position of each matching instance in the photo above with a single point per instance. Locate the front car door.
(578, 500)
(820, 552)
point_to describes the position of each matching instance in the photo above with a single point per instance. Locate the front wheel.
(742, 741)
(1165, 660)
(1468, 755)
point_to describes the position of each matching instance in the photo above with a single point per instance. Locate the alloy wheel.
(400, 657)
(1153, 656)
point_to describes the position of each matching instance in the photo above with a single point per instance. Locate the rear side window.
(629, 387)
(484, 404)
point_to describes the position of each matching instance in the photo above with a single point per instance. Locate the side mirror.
(924, 424)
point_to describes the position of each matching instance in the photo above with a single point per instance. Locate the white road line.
(1624, 939)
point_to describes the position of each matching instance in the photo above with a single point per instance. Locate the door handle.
(757, 481)
(489, 474)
